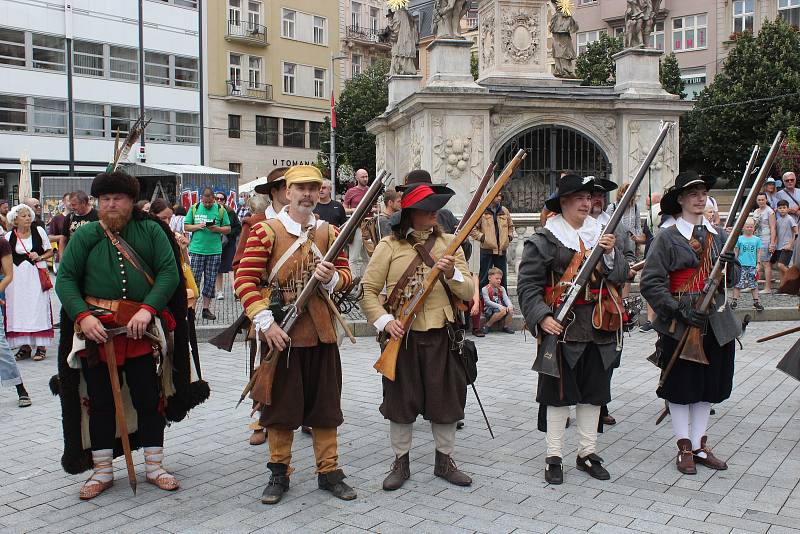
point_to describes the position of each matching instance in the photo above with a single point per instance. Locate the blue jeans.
(489, 260)
(9, 372)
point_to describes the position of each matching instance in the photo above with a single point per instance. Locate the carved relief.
(453, 153)
(416, 143)
(501, 124)
(487, 41)
(520, 37)
(401, 150)
(476, 155)
(380, 151)
(605, 126)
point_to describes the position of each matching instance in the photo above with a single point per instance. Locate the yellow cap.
(300, 174)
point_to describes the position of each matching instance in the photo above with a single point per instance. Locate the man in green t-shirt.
(208, 222)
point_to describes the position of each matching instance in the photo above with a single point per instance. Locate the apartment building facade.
(365, 36)
(269, 81)
(72, 77)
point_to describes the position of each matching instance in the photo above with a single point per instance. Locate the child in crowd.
(785, 229)
(497, 305)
(748, 251)
(764, 216)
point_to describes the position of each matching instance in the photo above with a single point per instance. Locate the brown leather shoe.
(399, 473)
(685, 460)
(710, 461)
(446, 468)
(258, 437)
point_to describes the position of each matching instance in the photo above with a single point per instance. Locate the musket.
(737, 199)
(476, 197)
(690, 346)
(261, 381)
(776, 335)
(387, 363)
(546, 361)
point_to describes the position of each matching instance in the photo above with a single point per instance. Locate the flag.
(333, 111)
(231, 201)
(186, 198)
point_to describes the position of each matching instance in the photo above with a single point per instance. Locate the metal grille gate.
(551, 149)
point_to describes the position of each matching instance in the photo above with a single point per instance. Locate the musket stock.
(693, 348)
(387, 362)
(548, 362)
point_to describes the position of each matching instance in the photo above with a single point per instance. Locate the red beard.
(117, 220)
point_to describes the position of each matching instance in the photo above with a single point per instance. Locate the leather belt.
(106, 304)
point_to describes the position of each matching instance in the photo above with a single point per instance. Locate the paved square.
(757, 430)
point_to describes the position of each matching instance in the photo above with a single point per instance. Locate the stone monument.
(403, 78)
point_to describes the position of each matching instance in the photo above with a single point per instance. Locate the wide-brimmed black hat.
(420, 176)
(421, 196)
(274, 179)
(684, 180)
(569, 184)
(603, 186)
(115, 182)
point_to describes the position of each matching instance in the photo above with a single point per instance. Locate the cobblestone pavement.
(757, 430)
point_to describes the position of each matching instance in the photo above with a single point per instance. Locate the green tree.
(753, 96)
(670, 75)
(595, 66)
(363, 98)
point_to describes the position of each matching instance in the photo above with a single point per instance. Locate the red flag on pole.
(333, 111)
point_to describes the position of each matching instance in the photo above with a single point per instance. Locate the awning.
(176, 169)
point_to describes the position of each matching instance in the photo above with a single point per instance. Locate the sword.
(482, 410)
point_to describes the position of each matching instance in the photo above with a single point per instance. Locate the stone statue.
(404, 37)
(563, 26)
(640, 19)
(447, 20)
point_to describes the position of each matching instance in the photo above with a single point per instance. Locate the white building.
(101, 42)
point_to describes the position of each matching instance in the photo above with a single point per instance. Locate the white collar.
(292, 226)
(589, 233)
(685, 227)
(603, 218)
(270, 212)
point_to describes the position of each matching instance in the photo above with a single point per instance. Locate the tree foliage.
(669, 73)
(363, 98)
(595, 66)
(754, 95)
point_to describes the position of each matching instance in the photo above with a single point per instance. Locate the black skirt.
(589, 382)
(690, 382)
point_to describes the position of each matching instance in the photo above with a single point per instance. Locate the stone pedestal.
(449, 64)
(401, 87)
(637, 74)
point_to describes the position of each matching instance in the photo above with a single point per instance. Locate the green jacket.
(91, 266)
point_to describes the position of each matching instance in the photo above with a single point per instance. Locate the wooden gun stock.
(387, 362)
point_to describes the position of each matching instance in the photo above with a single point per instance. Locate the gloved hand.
(692, 317)
(728, 258)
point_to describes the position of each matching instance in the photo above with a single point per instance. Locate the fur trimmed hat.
(115, 182)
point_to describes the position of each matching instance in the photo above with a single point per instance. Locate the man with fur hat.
(678, 263)
(122, 271)
(279, 258)
(430, 380)
(551, 260)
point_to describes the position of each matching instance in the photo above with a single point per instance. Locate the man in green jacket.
(97, 281)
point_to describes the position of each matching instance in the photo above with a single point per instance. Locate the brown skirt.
(430, 381)
(307, 392)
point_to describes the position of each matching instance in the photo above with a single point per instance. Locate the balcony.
(246, 32)
(250, 92)
(362, 34)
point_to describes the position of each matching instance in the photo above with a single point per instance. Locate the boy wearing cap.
(279, 258)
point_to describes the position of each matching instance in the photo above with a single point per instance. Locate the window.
(12, 47)
(187, 128)
(314, 140)
(584, 38)
(319, 30)
(183, 3)
(790, 11)
(186, 72)
(235, 12)
(619, 31)
(48, 53)
(158, 129)
(689, 33)
(254, 72)
(319, 83)
(235, 167)
(156, 68)
(234, 126)
(374, 18)
(743, 12)
(355, 14)
(123, 63)
(287, 27)
(235, 71)
(13, 113)
(121, 119)
(87, 58)
(90, 120)
(289, 70)
(355, 62)
(253, 16)
(694, 80)
(657, 37)
(266, 130)
(49, 116)
(294, 133)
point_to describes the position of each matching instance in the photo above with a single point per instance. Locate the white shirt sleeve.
(331, 285)
(457, 275)
(382, 321)
(263, 320)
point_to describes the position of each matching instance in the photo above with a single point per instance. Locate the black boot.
(592, 464)
(334, 482)
(553, 472)
(446, 468)
(400, 472)
(278, 484)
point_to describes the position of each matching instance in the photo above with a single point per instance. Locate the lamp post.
(334, 57)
